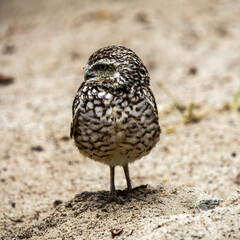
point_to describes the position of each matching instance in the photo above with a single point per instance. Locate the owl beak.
(88, 75)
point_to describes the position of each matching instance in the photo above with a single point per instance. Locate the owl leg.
(113, 194)
(126, 171)
(112, 174)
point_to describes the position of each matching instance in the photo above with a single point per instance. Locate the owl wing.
(149, 97)
(73, 120)
(75, 107)
(147, 92)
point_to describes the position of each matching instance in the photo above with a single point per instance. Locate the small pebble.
(193, 71)
(37, 148)
(57, 202)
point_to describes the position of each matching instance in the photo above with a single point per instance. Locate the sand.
(188, 187)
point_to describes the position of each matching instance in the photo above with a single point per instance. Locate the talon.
(114, 198)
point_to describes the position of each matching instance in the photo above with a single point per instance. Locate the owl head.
(116, 66)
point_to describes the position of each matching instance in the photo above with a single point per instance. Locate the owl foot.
(113, 197)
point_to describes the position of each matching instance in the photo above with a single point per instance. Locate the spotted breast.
(115, 127)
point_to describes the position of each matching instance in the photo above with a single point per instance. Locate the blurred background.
(192, 51)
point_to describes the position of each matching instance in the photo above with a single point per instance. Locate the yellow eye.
(102, 67)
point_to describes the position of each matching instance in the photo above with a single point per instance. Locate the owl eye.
(102, 67)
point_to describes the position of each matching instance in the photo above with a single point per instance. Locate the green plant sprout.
(189, 116)
(236, 101)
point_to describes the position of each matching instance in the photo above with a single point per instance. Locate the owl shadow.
(142, 197)
(101, 199)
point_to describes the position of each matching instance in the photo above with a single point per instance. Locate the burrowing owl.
(115, 117)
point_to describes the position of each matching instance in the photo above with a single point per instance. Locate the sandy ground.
(49, 191)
